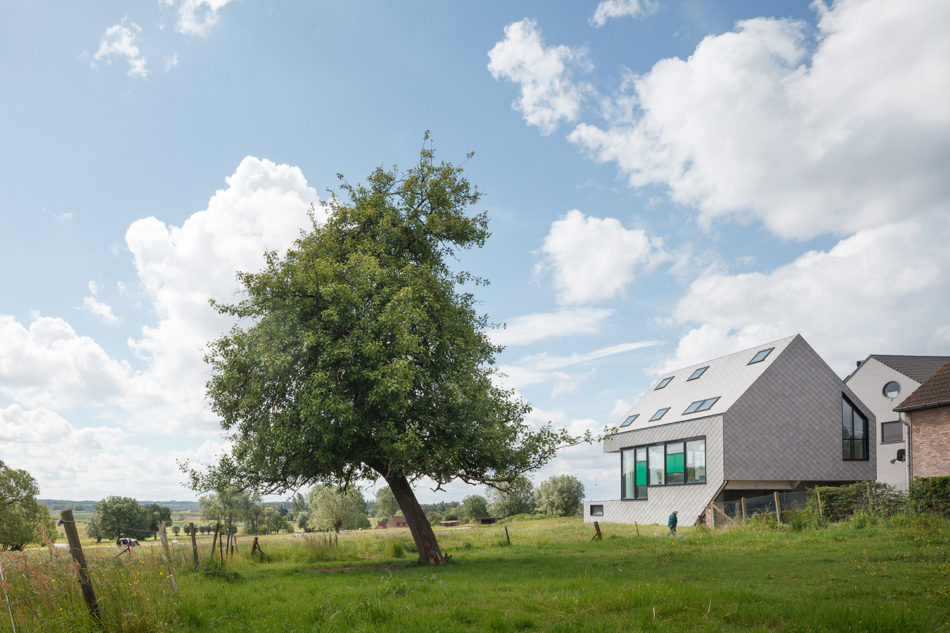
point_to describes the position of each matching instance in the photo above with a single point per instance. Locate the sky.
(666, 182)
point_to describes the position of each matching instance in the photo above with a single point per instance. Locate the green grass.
(868, 575)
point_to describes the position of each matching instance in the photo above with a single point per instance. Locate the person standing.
(671, 523)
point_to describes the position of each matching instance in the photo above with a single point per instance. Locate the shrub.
(842, 502)
(930, 494)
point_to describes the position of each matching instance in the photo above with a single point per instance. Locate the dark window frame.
(699, 406)
(698, 373)
(892, 422)
(664, 445)
(765, 354)
(659, 414)
(630, 420)
(847, 454)
(663, 383)
(599, 512)
(888, 384)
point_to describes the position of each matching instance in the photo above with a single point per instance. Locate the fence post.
(194, 542)
(214, 541)
(744, 516)
(778, 508)
(818, 495)
(85, 583)
(712, 515)
(597, 536)
(508, 537)
(167, 554)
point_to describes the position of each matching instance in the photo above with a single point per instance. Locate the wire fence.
(797, 500)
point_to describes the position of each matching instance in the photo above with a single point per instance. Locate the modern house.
(881, 381)
(770, 418)
(927, 411)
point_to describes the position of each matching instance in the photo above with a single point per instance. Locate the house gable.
(787, 424)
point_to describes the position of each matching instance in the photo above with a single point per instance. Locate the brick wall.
(930, 437)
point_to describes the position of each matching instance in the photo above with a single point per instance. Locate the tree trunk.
(422, 534)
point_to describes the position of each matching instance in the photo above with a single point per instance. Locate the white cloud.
(264, 207)
(608, 9)
(545, 75)
(531, 328)
(50, 365)
(171, 61)
(196, 17)
(754, 124)
(547, 368)
(93, 287)
(596, 258)
(100, 310)
(882, 290)
(118, 42)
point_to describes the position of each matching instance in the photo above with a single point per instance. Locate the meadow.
(866, 574)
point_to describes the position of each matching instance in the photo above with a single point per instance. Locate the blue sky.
(666, 181)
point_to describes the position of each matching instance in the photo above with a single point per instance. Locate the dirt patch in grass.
(330, 570)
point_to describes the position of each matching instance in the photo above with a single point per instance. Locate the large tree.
(359, 354)
(334, 508)
(123, 516)
(560, 496)
(516, 497)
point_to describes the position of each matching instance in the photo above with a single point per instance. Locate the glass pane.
(846, 420)
(892, 432)
(846, 449)
(641, 492)
(626, 474)
(696, 461)
(693, 407)
(656, 465)
(696, 374)
(860, 449)
(641, 478)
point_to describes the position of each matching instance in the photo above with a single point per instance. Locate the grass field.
(863, 575)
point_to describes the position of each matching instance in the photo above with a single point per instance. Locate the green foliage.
(931, 494)
(228, 506)
(386, 505)
(561, 495)
(473, 507)
(333, 508)
(22, 518)
(123, 516)
(159, 514)
(94, 528)
(842, 502)
(361, 354)
(510, 498)
(396, 550)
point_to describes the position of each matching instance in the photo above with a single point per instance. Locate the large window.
(892, 432)
(854, 432)
(667, 464)
(633, 466)
(701, 405)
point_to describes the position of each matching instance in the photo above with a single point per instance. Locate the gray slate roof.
(918, 368)
(935, 392)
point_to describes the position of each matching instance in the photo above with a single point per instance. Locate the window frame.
(596, 513)
(886, 385)
(663, 383)
(659, 414)
(864, 441)
(892, 422)
(765, 354)
(664, 448)
(630, 419)
(700, 406)
(697, 373)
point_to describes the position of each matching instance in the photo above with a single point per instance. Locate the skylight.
(659, 414)
(663, 383)
(701, 405)
(630, 420)
(760, 356)
(696, 374)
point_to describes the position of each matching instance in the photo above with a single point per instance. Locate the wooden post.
(227, 547)
(255, 546)
(507, 536)
(194, 542)
(712, 514)
(214, 541)
(168, 555)
(778, 508)
(85, 583)
(744, 515)
(637, 525)
(597, 535)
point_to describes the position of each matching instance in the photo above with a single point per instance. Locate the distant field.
(861, 576)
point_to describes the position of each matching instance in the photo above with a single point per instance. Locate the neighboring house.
(772, 417)
(392, 522)
(881, 381)
(928, 417)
